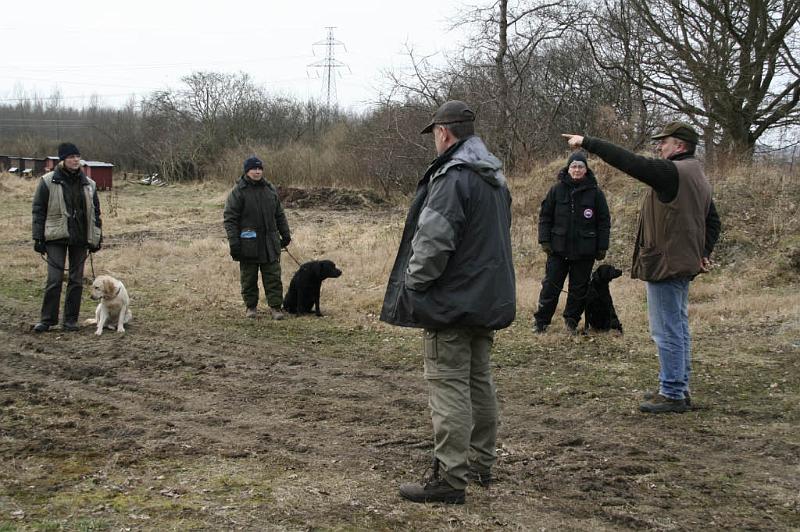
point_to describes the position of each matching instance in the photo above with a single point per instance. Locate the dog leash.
(57, 267)
(290, 254)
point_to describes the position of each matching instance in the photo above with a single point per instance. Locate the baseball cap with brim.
(451, 112)
(679, 130)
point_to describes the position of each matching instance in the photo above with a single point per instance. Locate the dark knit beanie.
(252, 162)
(65, 149)
(578, 156)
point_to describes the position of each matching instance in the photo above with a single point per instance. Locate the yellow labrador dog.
(113, 306)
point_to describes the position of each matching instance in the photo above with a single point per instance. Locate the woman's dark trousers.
(556, 271)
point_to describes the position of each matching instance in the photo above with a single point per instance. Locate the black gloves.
(285, 240)
(236, 251)
(39, 246)
(546, 247)
(601, 254)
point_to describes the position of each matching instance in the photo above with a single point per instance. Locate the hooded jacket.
(255, 206)
(454, 266)
(574, 217)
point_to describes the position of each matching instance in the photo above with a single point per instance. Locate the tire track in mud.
(150, 393)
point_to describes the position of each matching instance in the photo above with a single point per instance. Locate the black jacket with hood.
(454, 266)
(574, 217)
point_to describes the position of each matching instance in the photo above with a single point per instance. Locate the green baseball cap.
(679, 130)
(450, 112)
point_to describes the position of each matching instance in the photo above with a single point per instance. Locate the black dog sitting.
(304, 289)
(600, 313)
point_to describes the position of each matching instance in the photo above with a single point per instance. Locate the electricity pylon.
(329, 66)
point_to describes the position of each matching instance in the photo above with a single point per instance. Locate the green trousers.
(462, 400)
(270, 278)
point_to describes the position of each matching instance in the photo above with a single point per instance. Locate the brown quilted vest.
(671, 236)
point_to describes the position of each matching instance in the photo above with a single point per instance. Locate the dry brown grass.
(172, 238)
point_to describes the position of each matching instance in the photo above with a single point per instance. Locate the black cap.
(679, 130)
(252, 162)
(578, 156)
(451, 112)
(65, 149)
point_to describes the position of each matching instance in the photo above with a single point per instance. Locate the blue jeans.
(668, 310)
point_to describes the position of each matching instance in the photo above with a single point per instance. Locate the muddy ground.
(211, 422)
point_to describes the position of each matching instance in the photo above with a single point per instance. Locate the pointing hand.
(574, 141)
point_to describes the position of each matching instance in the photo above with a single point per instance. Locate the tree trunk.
(505, 134)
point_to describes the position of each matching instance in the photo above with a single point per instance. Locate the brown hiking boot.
(660, 404)
(686, 397)
(251, 313)
(276, 313)
(433, 489)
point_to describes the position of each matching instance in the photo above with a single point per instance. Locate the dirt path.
(171, 428)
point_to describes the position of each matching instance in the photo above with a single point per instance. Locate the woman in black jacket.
(574, 230)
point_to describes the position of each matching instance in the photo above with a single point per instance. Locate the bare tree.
(511, 38)
(731, 66)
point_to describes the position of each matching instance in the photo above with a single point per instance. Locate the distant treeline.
(531, 70)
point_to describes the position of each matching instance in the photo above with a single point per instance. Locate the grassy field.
(196, 418)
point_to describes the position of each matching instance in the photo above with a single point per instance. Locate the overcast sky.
(115, 49)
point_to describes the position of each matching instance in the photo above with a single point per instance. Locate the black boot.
(433, 489)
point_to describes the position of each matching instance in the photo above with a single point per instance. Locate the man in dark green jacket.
(257, 229)
(66, 223)
(678, 228)
(454, 278)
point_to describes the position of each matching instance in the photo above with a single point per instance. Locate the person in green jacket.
(257, 229)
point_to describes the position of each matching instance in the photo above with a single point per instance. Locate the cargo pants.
(462, 400)
(270, 278)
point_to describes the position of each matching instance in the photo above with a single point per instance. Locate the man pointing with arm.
(677, 230)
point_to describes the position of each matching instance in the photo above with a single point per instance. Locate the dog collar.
(115, 295)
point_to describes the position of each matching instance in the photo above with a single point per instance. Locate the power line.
(329, 65)
(151, 66)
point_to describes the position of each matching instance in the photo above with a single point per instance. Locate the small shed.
(14, 164)
(39, 166)
(100, 172)
(25, 163)
(5, 162)
(50, 163)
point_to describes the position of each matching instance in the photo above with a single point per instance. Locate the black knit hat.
(65, 149)
(252, 162)
(578, 156)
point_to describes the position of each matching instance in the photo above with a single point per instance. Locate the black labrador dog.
(305, 286)
(600, 313)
